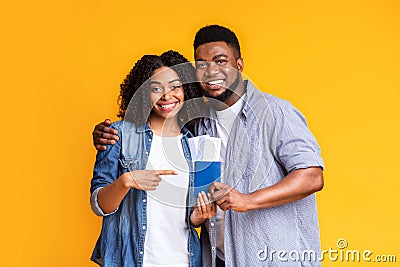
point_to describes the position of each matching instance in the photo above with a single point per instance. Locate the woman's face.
(166, 93)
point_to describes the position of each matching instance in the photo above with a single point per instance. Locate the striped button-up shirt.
(269, 139)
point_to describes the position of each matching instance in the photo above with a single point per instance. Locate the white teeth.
(168, 106)
(215, 82)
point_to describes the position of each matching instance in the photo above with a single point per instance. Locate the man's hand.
(296, 185)
(204, 210)
(104, 135)
(144, 179)
(228, 198)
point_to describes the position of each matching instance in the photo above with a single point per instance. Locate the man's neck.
(234, 97)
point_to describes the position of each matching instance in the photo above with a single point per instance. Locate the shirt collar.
(250, 93)
(146, 128)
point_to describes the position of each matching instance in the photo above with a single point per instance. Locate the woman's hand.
(110, 196)
(204, 210)
(144, 179)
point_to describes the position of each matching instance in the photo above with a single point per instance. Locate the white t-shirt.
(166, 241)
(225, 119)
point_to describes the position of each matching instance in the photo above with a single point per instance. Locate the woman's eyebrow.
(171, 81)
(175, 80)
(156, 82)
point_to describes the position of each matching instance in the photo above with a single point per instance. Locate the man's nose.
(212, 69)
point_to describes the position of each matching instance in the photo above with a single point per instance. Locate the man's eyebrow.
(218, 56)
(214, 57)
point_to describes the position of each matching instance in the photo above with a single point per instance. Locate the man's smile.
(214, 84)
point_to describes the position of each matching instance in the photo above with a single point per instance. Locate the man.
(267, 213)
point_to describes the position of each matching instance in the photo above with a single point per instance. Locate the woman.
(146, 216)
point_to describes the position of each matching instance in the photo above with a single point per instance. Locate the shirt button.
(212, 224)
(144, 200)
(213, 248)
(150, 139)
(141, 252)
(143, 227)
(147, 153)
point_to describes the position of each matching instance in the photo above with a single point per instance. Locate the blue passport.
(205, 173)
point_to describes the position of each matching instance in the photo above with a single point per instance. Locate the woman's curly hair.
(134, 102)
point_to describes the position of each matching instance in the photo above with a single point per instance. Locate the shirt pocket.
(128, 164)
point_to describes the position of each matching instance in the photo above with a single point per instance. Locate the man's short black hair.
(217, 33)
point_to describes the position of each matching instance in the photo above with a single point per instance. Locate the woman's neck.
(164, 127)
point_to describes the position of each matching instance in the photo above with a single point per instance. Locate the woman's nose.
(167, 95)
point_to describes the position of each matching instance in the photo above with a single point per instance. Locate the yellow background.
(63, 61)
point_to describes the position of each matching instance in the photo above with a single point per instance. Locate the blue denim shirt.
(121, 242)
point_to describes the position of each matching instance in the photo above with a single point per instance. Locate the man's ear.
(240, 64)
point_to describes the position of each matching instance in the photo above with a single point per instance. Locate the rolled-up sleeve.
(105, 171)
(297, 147)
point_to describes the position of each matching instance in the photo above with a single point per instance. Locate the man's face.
(218, 69)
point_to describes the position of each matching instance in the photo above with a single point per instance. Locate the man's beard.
(228, 91)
